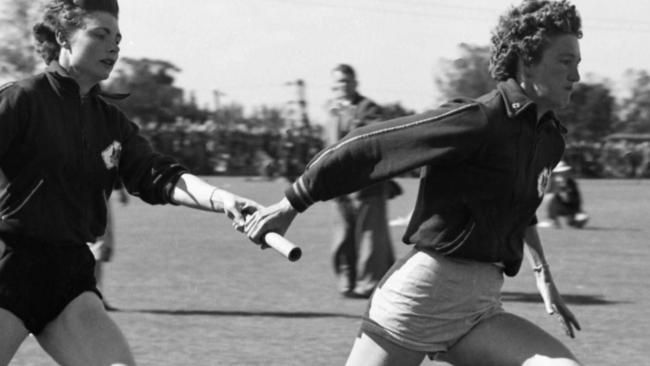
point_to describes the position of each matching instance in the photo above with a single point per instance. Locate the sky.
(251, 50)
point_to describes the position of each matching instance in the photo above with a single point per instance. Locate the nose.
(574, 75)
(114, 45)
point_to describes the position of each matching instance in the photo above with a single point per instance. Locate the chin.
(561, 103)
(564, 104)
(102, 76)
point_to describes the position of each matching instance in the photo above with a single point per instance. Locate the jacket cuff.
(298, 196)
(170, 179)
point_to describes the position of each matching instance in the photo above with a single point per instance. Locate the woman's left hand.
(554, 303)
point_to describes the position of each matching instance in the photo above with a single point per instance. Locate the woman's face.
(91, 51)
(549, 82)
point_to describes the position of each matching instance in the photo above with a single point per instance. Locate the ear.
(524, 71)
(61, 39)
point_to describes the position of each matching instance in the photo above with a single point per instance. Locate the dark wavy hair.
(525, 31)
(65, 16)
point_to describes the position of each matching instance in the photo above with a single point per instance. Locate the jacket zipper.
(29, 196)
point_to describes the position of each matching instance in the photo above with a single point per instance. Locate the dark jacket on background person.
(62, 153)
(486, 166)
(362, 249)
(360, 112)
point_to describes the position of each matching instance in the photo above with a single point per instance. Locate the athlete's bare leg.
(506, 339)
(11, 337)
(84, 335)
(370, 350)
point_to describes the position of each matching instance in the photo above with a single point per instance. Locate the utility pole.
(217, 94)
(301, 102)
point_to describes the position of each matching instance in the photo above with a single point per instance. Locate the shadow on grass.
(271, 314)
(515, 296)
(602, 228)
(596, 228)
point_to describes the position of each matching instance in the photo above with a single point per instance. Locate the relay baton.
(278, 242)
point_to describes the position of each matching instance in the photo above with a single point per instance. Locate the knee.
(539, 360)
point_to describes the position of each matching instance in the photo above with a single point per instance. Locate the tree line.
(594, 115)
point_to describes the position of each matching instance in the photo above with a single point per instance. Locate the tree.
(267, 118)
(590, 115)
(635, 109)
(153, 95)
(18, 58)
(230, 115)
(466, 76)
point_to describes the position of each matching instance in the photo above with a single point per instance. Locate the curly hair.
(64, 16)
(524, 32)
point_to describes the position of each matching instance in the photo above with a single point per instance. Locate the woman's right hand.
(276, 218)
(554, 303)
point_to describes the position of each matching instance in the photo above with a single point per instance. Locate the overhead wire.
(423, 9)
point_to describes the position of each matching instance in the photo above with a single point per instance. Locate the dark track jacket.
(486, 166)
(62, 153)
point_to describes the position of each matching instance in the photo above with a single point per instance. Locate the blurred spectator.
(565, 200)
(104, 247)
(362, 249)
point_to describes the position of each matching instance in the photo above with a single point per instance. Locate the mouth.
(109, 62)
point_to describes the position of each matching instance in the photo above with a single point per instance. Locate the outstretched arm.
(552, 299)
(193, 192)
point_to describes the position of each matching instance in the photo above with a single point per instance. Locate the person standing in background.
(104, 247)
(362, 249)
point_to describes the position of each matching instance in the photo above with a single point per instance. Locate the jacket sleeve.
(379, 151)
(146, 173)
(13, 110)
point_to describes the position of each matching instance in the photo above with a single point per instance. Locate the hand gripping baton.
(283, 246)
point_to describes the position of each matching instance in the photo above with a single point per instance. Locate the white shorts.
(427, 302)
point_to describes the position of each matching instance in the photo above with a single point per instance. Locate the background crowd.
(609, 132)
(208, 148)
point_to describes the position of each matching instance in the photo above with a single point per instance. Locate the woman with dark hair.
(62, 148)
(486, 163)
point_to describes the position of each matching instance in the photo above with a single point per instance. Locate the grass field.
(192, 291)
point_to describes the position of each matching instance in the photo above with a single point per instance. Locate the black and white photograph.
(311, 182)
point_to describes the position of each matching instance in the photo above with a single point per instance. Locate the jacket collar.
(64, 84)
(516, 102)
(357, 98)
(514, 98)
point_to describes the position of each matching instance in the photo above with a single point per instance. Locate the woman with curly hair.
(62, 148)
(486, 163)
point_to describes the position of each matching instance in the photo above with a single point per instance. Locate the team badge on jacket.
(111, 155)
(542, 181)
